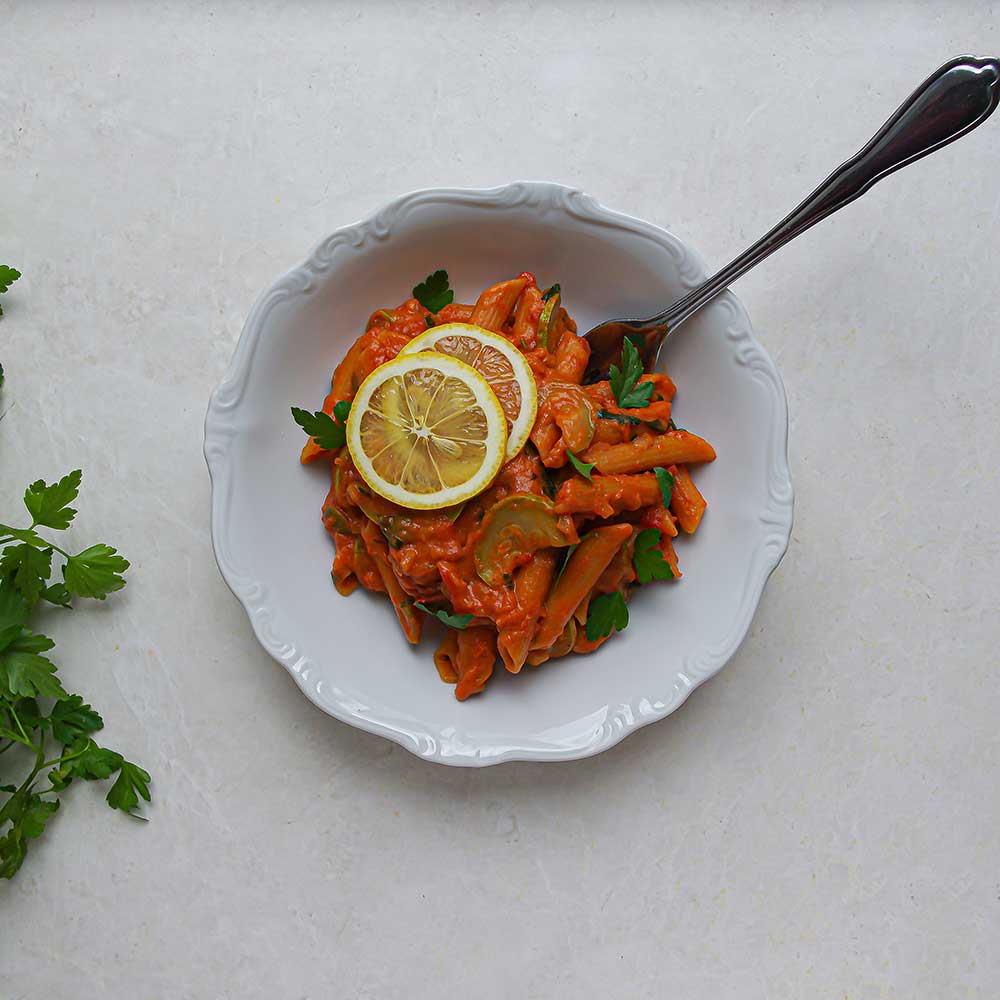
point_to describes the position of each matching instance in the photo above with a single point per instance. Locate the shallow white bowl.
(348, 654)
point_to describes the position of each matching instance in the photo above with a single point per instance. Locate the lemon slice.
(426, 431)
(499, 362)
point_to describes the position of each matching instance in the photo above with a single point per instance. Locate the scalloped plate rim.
(424, 742)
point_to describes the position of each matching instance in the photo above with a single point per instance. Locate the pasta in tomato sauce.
(541, 563)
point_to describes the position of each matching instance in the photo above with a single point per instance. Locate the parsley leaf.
(562, 569)
(28, 674)
(95, 572)
(27, 812)
(85, 759)
(30, 568)
(56, 593)
(132, 782)
(23, 535)
(13, 608)
(73, 718)
(452, 621)
(648, 559)
(329, 434)
(584, 468)
(7, 278)
(606, 613)
(8, 275)
(630, 393)
(31, 642)
(49, 505)
(666, 482)
(433, 292)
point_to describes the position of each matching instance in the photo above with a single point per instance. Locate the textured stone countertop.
(822, 819)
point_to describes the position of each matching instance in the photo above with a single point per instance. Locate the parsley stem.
(17, 722)
(47, 545)
(70, 756)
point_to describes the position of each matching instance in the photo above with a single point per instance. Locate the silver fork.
(952, 101)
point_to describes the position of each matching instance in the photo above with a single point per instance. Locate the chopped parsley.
(452, 621)
(648, 560)
(329, 432)
(584, 468)
(630, 393)
(666, 482)
(434, 293)
(606, 613)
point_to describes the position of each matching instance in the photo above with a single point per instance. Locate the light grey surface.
(822, 819)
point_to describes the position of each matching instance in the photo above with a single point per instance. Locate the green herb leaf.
(30, 569)
(49, 505)
(328, 433)
(27, 812)
(648, 559)
(36, 815)
(95, 572)
(549, 292)
(606, 613)
(72, 718)
(24, 535)
(28, 674)
(629, 392)
(57, 593)
(666, 482)
(14, 608)
(433, 292)
(570, 549)
(342, 411)
(451, 620)
(8, 275)
(131, 784)
(619, 418)
(31, 642)
(584, 468)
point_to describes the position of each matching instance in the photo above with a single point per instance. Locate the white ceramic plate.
(347, 654)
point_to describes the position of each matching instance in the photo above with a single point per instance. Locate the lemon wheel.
(503, 366)
(426, 431)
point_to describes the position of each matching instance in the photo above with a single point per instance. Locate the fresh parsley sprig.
(8, 275)
(434, 293)
(451, 620)
(37, 714)
(630, 393)
(606, 613)
(666, 481)
(647, 559)
(328, 432)
(586, 469)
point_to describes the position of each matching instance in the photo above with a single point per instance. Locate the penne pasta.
(445, 657)
(582, 570)
(409, 619)
(686, 500)
(644, 453)
(496, 303)
(456, 312)
(568, 526)
(477, 652)
(524, 332)
(606, 496)
(530, 587)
